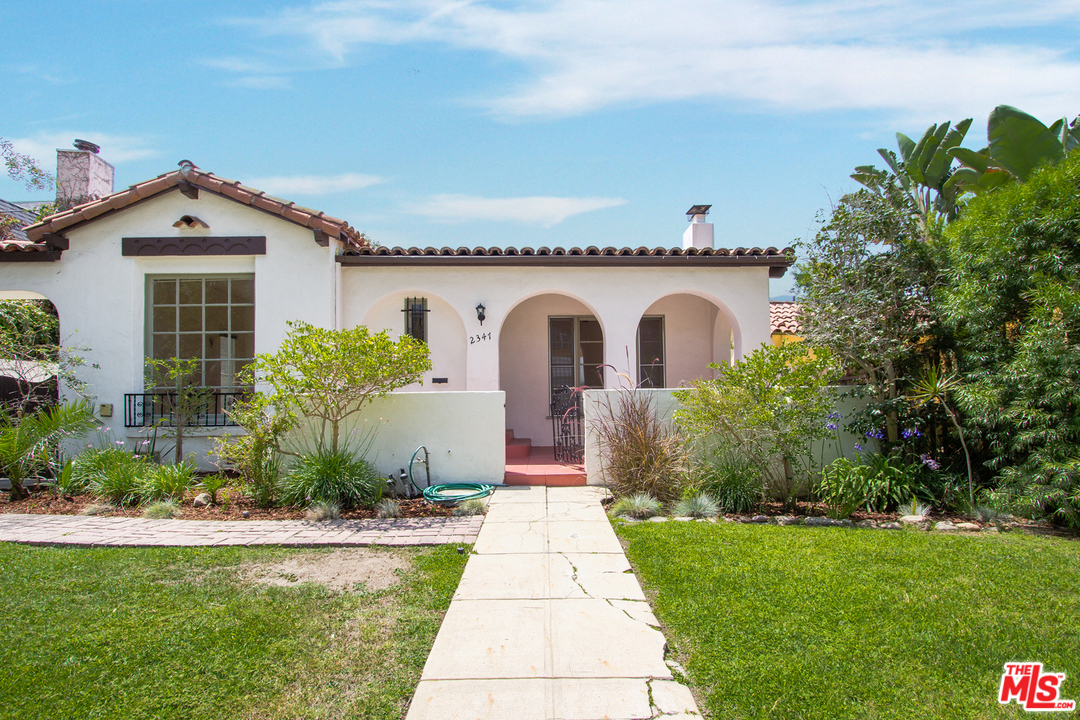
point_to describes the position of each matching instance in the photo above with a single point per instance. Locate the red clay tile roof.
(777, 260)
(784, 318)
(306, 217)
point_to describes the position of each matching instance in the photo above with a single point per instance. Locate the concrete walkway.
(549, 622)
(139, 532)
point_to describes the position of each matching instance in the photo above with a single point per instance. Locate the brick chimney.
(700, 233)
(82, 175)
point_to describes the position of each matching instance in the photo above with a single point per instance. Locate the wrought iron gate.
(568, 425)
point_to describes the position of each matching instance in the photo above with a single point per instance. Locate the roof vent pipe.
(700, 233)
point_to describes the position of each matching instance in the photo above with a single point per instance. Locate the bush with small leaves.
(639, 505)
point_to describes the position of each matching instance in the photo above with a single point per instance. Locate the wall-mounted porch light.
(480, 313)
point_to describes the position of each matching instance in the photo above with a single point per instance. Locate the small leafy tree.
(256, 454)
(190, 397)
(329, 375)
(769, 406)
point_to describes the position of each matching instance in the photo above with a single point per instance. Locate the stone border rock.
(919, 522)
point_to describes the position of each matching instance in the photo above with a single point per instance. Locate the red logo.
(1032, 689)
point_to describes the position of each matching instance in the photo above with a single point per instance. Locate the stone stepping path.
(139, 532)
(549, 622)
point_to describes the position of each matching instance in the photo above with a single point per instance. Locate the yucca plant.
(28, 444)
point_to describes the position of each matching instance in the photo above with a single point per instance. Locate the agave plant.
(28, 444)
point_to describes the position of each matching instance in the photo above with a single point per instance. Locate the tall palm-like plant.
(27, 444)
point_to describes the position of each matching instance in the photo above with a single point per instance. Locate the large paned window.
(209, 318)
(650, 342)
(576, 347)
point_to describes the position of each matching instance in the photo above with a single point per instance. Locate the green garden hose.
(447, 493)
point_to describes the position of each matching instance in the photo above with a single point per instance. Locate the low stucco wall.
(822, 451)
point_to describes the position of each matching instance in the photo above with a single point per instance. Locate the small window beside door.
(650, 338)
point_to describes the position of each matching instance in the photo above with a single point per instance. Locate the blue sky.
(572, 123)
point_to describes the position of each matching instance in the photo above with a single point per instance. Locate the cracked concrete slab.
(492, 639)
(518, 494)
(591, 638)
(640, 611)
(516, 512)
(512, 537)
(673, 698)
(571, 511)
(597, 575)
(589, 494)
(581, 537)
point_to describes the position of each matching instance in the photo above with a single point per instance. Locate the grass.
(791, 622)
(175, 633)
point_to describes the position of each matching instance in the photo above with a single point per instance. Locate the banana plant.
(1019, 143)
(922, 171)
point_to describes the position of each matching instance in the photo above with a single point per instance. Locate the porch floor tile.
(541, 468)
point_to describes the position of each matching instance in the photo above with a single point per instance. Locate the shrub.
(331, 477)
(66, 483)
(322, 511)
(166, 482)
(638, 505)
(640, 452)
(879, 483)
(116, 475)
(769, 406)
(734, 480)
(161, 510)
(471, 507)
(701, 505)
(212, 484)
(256, 455)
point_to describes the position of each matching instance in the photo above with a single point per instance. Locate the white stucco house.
(190, 264)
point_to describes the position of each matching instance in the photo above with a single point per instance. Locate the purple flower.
(858, 446)
(835, 416)
(874, 434)
(830, 426)
(929, 461)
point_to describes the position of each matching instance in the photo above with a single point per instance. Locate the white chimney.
(82, 175)
(700, 233)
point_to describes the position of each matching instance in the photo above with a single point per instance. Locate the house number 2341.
(473, 339)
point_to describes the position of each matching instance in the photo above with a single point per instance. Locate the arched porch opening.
(547, 340)
(680, 335)
(29, 363)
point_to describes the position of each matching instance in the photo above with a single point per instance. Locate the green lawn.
(175, 633)
(794, 622)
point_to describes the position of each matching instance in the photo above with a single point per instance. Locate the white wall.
(463, 432)
(446, 336)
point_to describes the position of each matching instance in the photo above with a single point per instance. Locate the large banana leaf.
(1019, 142)
(980, 161)
(937, 168)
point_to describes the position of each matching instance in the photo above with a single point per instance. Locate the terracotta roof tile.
(592, 250)
(212, 183)
(784, 318)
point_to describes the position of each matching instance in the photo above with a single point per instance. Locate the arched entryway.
(680, 335)
(30, 366)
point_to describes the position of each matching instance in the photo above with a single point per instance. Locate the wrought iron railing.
(159, 408)
(568, 425)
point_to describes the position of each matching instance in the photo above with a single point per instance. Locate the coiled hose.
(447, 493)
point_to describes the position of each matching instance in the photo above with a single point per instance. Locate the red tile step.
(540, 468)
(517, 448)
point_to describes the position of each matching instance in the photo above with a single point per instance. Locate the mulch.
(231, 506)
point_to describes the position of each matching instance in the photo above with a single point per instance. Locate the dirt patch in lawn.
(341, 570)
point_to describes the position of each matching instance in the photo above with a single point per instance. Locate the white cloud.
(115, 149)
(913, 56)
(314, 184)
(545, 211)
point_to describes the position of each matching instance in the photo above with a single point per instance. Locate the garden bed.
(46, 502)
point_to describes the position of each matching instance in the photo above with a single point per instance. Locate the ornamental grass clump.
(640, 452)
(471, 507)
(161, 510)
(733, 480)
(166, 482)
(639, 506)
(322, 511)
(387, 508)
(701, 505)
(117, 476)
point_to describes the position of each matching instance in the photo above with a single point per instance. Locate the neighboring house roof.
(777, 260)
(784, 318)
(22, 215)
(42, 235)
